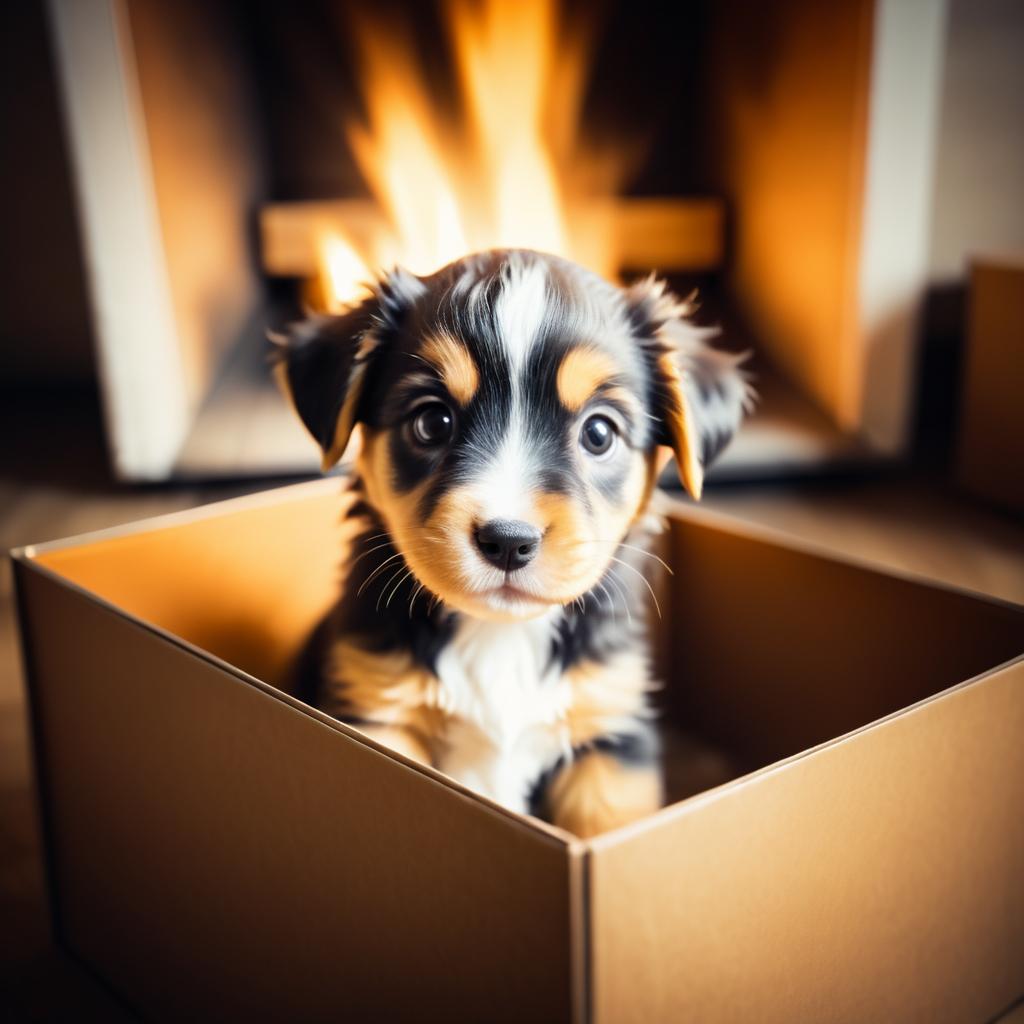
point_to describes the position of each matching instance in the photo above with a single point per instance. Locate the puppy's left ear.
(701, 392)
(322, 364)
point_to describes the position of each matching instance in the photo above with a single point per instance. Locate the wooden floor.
(54, 484)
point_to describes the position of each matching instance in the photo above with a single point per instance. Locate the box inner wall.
(764, 651)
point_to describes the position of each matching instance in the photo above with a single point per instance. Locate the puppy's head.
(512, 406)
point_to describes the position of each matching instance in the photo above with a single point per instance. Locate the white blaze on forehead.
(520, 309)
(503, 490)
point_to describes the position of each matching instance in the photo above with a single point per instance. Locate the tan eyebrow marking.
(582, 372)
(455, 365)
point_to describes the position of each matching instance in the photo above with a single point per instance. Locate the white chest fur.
(507, 704)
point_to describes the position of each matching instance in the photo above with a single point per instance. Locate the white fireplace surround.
(177, 295)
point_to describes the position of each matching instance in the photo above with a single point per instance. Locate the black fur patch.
(375, 570)
(638, 748)
(319, 363)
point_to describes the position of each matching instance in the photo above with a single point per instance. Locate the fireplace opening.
(274, 156)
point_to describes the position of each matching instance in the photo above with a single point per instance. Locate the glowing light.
(500, 169)
(343, 272)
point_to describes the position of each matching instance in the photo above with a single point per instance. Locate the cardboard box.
(218, 850)
(990, 459)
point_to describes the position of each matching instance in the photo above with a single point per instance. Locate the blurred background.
(843, 183)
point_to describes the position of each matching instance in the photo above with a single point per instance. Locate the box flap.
(774, 648)
(245, 579)
(849, 884)
(222, 852)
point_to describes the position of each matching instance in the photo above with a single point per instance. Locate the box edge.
(540, 829)
(674, 508)
(694, 803)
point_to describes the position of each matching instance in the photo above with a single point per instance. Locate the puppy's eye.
(597, 435)
(433, 425)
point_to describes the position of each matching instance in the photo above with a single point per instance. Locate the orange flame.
(504, 171)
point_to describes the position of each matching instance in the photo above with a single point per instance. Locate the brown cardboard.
(875, 879)
(244, 586)
(219, 849)
(991, 450)
(785, 649)
(219, 854)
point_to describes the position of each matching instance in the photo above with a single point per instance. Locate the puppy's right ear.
(322, 364)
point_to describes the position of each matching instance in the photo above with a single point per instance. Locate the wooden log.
(670, 234)
(663, 234)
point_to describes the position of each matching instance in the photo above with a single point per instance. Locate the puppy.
(512, 408)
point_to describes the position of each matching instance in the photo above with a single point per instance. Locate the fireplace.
(237, 162)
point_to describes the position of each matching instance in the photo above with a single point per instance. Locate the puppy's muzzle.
(508, 544)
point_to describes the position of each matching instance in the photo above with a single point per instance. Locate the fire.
(342, 271)
(502, 169)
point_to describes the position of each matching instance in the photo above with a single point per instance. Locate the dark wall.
(44, 314)
(644, 90)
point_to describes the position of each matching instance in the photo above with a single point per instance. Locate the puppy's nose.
(508, 543)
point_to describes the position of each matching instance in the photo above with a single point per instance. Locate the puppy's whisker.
(615, 594)
(625, 597)
(380, 568)
(356, 561)
(388, 534)
(383, 590)
(620, 589)
(376, 572)
(608, 598)
(395, 590)
(412, 599)
(647, 584)
(629, 547)
(648, 554)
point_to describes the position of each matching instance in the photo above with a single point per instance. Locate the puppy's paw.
(599, 792)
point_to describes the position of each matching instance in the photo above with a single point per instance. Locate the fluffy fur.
(492, 620)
